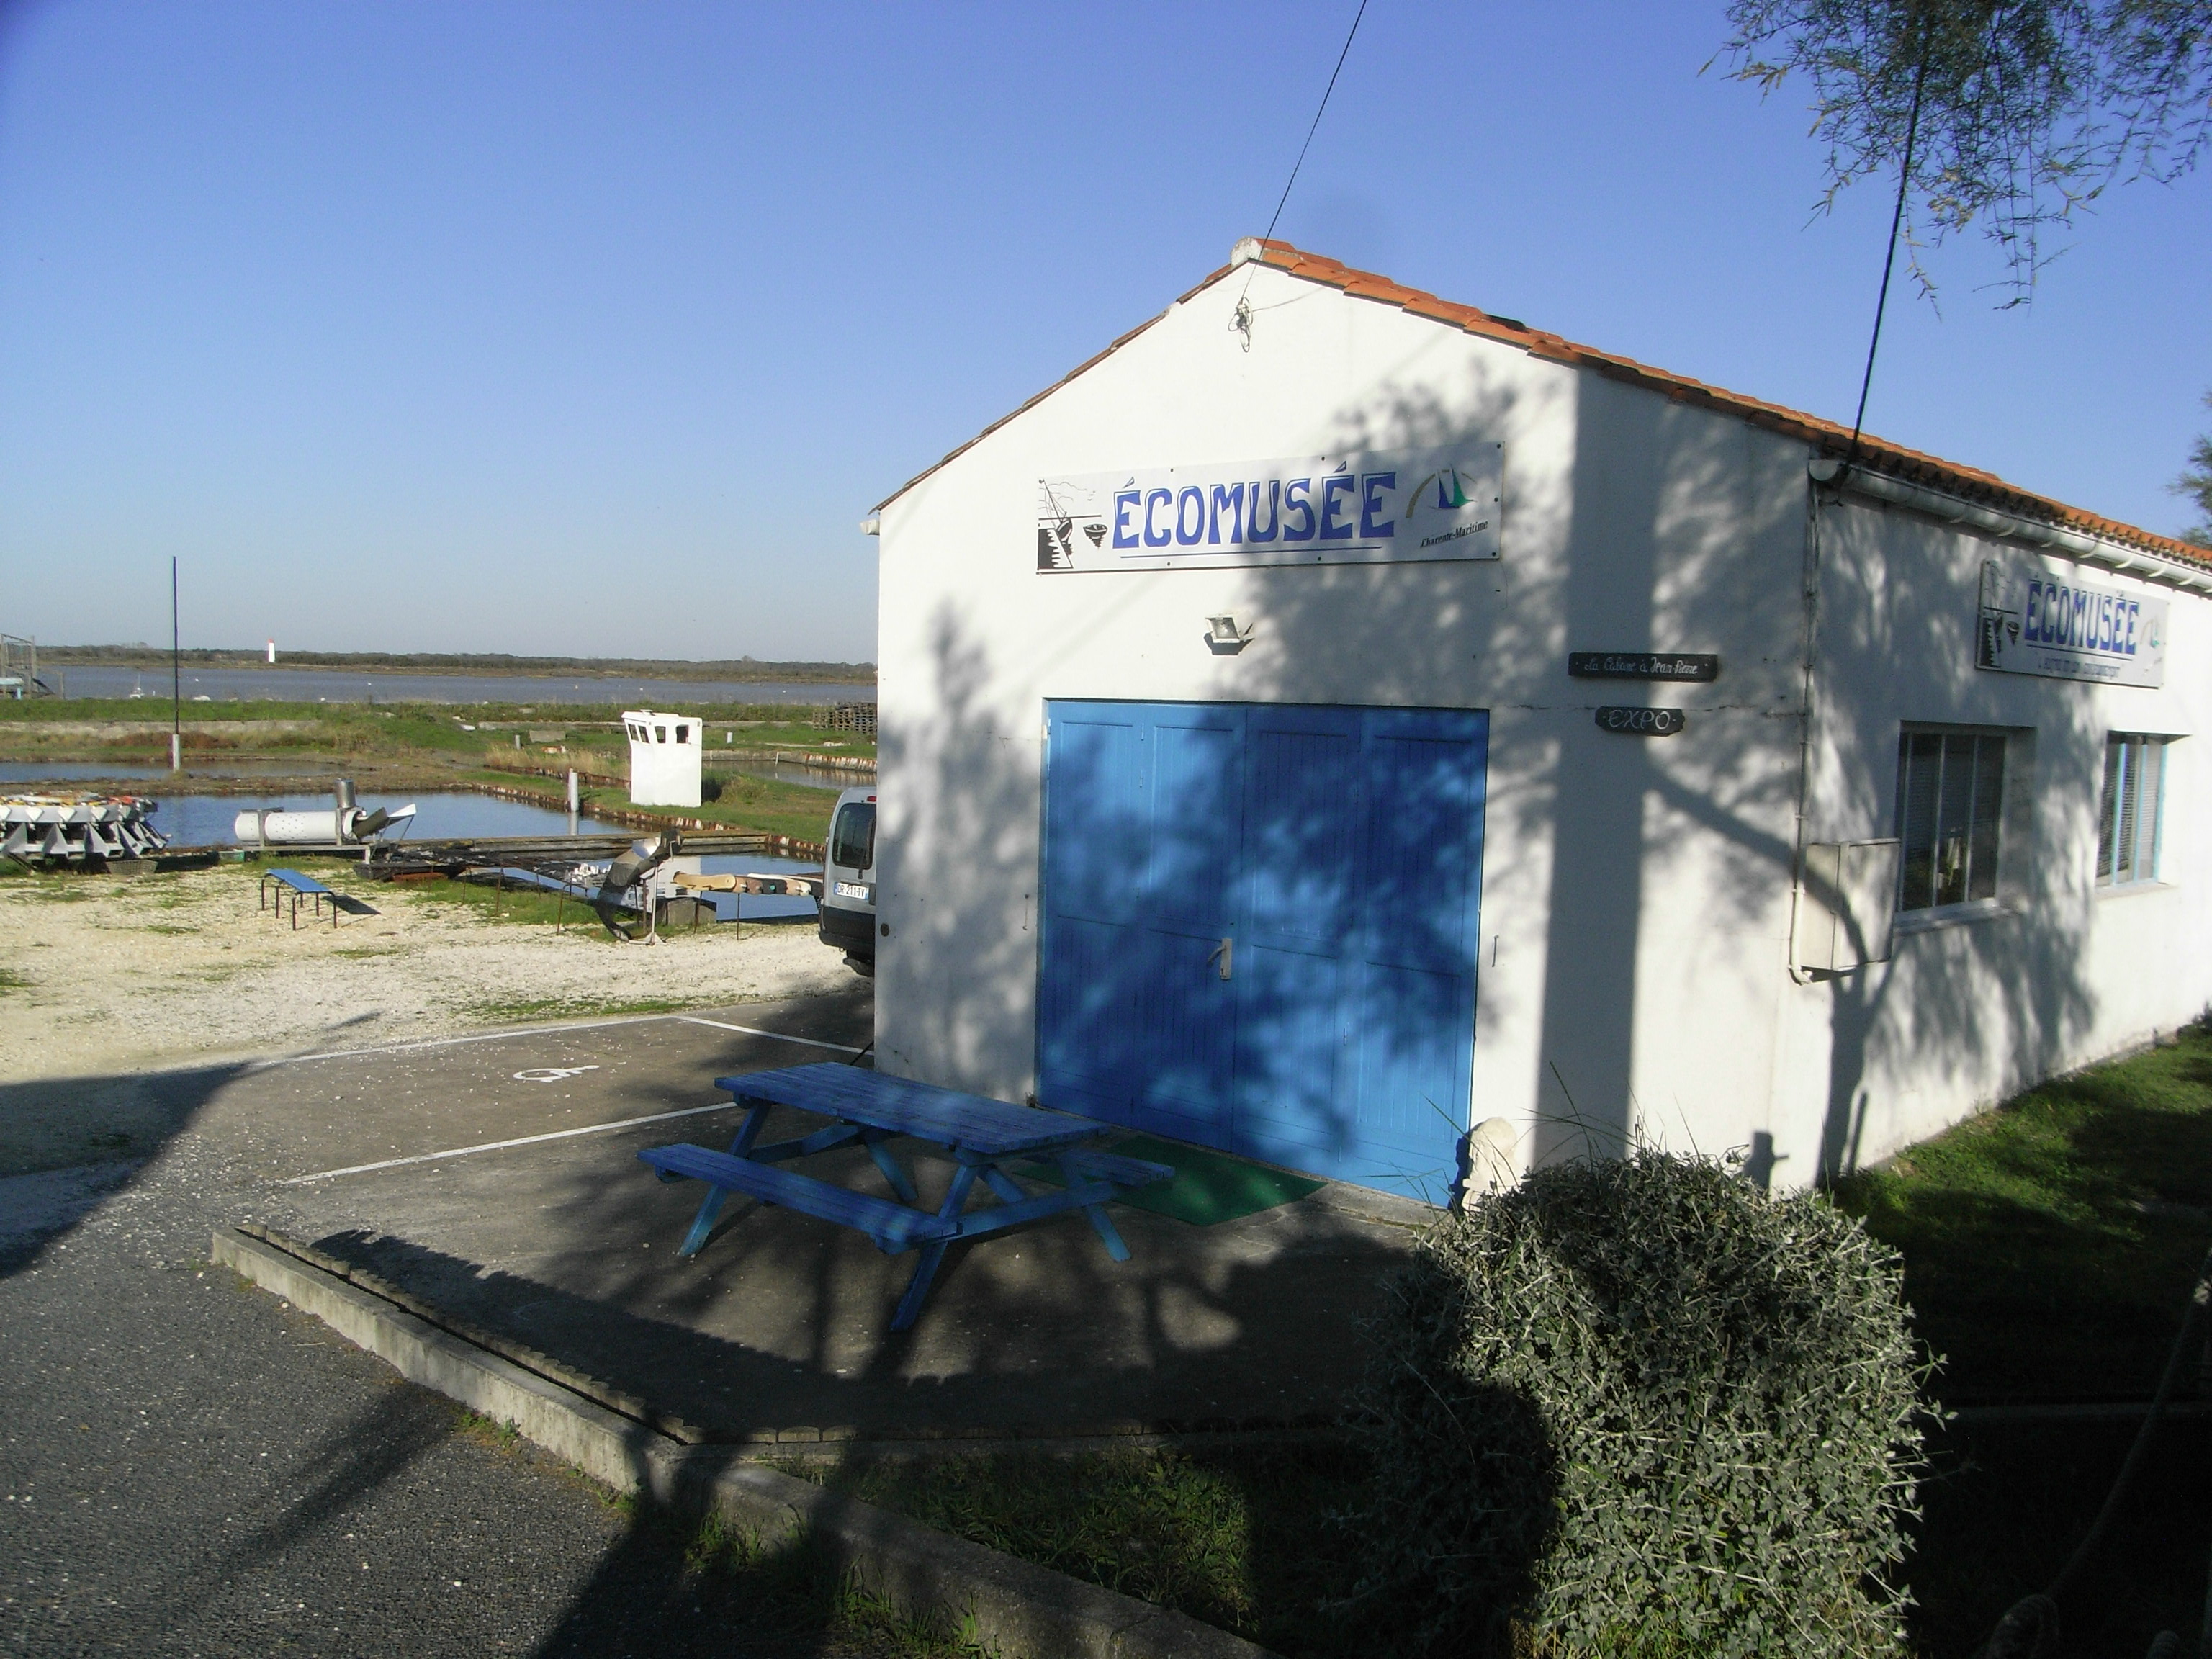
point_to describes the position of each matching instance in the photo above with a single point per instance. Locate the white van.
(848, 880)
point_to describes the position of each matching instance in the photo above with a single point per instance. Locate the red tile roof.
(1878, 454)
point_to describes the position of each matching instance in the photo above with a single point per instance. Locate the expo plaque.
(1642, 722)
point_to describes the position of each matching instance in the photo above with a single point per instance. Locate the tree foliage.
(2195, 484)
(2015, 113)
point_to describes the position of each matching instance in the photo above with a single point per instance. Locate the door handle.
(1223, 953)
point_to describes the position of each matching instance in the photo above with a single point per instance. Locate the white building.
(665, 767)
(1243, 779)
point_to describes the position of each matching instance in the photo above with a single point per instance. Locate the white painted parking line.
(503, 1146)
(408, 1047)
(752, 1031)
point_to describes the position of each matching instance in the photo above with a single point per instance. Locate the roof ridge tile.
(1297, 262)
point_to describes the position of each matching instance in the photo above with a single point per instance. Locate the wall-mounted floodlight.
(1222, 637)
(872, 525)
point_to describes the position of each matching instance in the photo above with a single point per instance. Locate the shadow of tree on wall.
(1679, 529)
(980, 769)
(1991, 1005)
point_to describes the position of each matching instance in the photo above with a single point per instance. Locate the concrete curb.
(804, 1442)
(1016, 1607)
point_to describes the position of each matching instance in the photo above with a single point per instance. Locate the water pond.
(352, 685)
(189, 820)
(814, 777)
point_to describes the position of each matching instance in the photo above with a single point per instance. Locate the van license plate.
(853, 889)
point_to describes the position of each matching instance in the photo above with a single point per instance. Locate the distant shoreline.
(743, 671)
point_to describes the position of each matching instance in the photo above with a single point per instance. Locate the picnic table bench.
(981, 1137)
(290, 884)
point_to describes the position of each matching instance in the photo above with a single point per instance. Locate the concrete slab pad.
(567, 1245)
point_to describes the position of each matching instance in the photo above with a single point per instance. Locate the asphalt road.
(189, 1467)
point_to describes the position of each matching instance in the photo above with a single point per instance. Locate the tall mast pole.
(176, 677)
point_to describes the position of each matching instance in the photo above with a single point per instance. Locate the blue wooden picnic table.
(292, 884)
(981, 1136)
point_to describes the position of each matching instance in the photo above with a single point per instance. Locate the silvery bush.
(1640, 1406)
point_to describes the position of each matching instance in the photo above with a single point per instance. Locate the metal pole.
(176, 677)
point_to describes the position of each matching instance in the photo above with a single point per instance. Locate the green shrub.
(710, 786)
(1641, 1407)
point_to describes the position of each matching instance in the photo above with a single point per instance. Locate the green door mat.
(1209, 1187)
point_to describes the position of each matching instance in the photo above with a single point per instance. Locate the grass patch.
(489, 1431)
(1239, 1538)
(526, 906)
(72, 889)
(2049, 1245)
(767, 805)
(12, 980)
(795, 1597)
(792, 1600)
(167, 927)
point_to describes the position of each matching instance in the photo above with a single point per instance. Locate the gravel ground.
(110, 975)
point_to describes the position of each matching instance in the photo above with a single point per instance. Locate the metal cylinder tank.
(297, 829)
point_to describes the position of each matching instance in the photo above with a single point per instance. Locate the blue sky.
(595, 328)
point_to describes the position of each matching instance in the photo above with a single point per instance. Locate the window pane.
(1919, 758)
(1988, 808)
(2108, 804)
(1955, 812)
(2123, 855)
(2154, 805)
(852, 843)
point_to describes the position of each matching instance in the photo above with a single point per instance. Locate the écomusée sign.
(1343, 509)
(2038, 620)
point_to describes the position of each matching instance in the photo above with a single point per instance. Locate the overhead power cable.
(1889, 259)
(1241, 321)
(1318, 114)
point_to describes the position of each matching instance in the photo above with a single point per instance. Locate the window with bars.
(2128, 822)
(1950, 806)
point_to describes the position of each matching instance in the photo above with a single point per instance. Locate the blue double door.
(1261, 930)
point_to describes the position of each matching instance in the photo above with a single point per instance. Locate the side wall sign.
(1643, 664)
(2038, 620)
(1325, 509)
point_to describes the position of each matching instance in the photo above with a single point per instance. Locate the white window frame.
(2133, 748)
(2013, 828)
